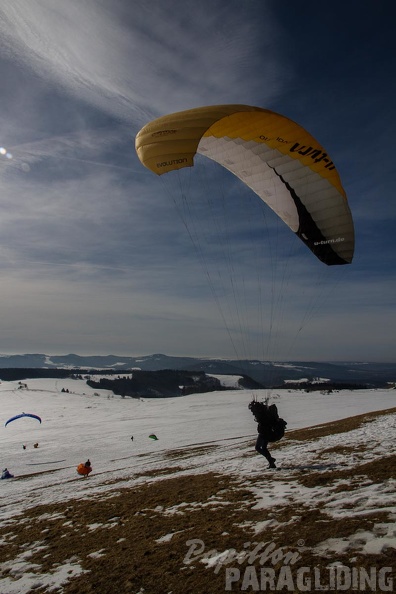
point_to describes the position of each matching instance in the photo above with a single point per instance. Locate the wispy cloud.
(135, 60)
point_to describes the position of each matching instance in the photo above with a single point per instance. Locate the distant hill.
(164, 383)
(264, 373)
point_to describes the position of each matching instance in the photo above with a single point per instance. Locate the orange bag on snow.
(84, 470)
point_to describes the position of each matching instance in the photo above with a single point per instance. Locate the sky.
(97, 255)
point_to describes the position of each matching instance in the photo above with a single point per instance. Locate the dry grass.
(342, 426)
(218, 509)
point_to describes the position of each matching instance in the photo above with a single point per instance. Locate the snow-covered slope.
(89, 423)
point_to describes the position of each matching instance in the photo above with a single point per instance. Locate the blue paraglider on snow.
(22, 415)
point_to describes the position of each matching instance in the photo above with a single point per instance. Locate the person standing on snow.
(270, 428)
(84, 469)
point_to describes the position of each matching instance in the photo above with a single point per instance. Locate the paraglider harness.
(270, 425)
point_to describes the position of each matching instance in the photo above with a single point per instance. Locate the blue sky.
(94, 255)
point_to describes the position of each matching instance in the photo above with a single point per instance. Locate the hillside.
(209, 517)
(167, 384)
(263, 372)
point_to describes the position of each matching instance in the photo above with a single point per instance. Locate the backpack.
(276, 431)
(270, 425)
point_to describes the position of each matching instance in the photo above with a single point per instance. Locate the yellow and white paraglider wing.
(279, 160)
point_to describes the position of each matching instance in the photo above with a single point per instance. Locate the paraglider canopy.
(21, 416)
(152, 436)
(273, 155)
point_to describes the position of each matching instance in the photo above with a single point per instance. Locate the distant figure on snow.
(6, 474)
(132, 437)
(35, 445)
(24, 447)
(84, 469)
(270, 428)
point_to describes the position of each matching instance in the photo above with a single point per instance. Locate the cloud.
(133, 61)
